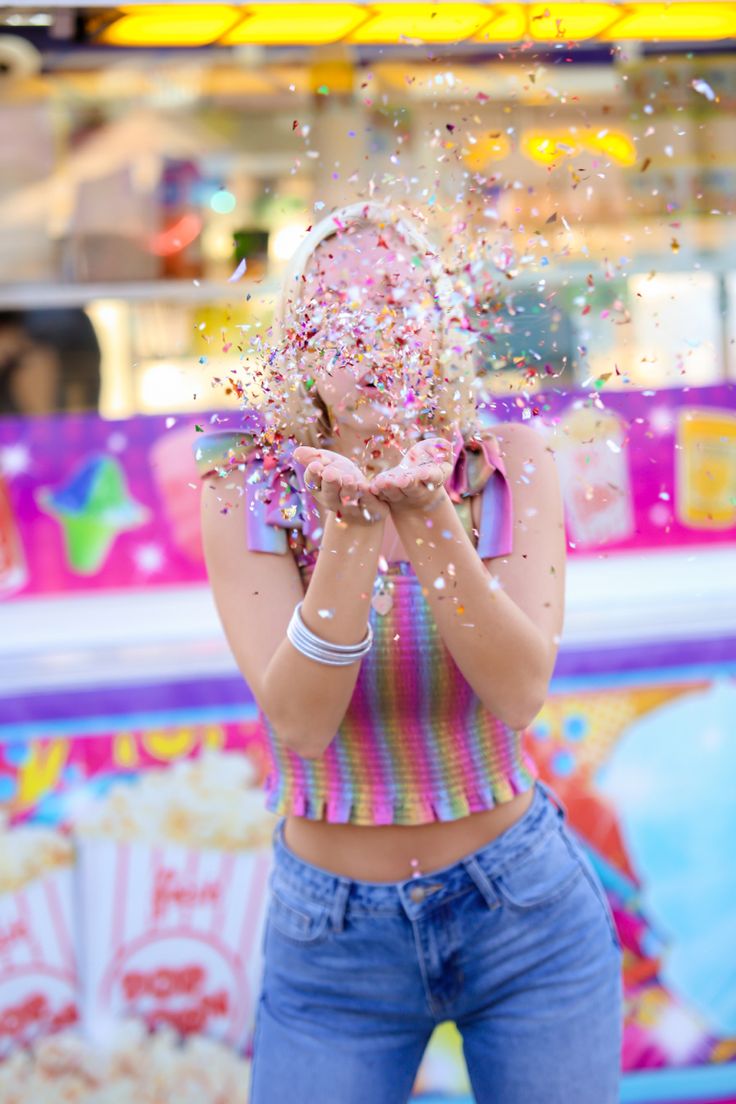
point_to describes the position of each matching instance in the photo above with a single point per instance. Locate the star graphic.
(92, 508)
(149, 558)
(661, 420)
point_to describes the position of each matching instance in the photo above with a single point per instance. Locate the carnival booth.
(136, 848)
(574, 164)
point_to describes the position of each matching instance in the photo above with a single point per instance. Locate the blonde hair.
(304, 415)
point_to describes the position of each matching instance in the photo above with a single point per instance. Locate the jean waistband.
(502, 853)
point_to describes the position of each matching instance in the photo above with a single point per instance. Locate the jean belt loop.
(481, 880)
(555, 799)
(339, 904)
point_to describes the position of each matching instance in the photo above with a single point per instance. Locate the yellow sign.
(706, 468)
(290, 24)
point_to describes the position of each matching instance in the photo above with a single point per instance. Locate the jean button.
(417, 893)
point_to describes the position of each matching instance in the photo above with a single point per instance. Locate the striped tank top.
(416, 744)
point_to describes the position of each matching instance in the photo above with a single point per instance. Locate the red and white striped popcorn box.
(38, 966)
(171, 935)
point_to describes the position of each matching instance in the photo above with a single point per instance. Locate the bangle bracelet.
(324, 651)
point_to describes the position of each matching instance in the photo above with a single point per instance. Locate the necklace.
(383, 599)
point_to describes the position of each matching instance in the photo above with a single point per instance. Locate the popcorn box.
(38, 967)
(592, 459)
(171, 935)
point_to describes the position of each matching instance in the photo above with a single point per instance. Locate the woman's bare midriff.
(384, 853)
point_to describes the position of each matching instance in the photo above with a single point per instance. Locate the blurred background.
(576, 164)
(149, 154)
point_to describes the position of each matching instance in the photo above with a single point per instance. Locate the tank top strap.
(219, 452)
(480, 469)
(276, 500)
(496, 531)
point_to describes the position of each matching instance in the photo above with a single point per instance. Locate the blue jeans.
(515, 943)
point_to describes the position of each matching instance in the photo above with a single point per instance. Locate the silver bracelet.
(324, 651)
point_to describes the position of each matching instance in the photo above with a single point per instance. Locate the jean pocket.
(297, 918)
(542, 875)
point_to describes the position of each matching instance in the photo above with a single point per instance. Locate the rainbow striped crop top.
(416, 743)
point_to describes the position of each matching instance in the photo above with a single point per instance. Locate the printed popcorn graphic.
(591, 453)
(172, 884)
(38, 967)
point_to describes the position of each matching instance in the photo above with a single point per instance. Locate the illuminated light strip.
(391, 23)
(274, 24)
(678, 21)
(297, 24)
(195, 25)
(509, 24)
(570, 22)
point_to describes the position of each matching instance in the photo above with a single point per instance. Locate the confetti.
(704, 89)
(239, 272)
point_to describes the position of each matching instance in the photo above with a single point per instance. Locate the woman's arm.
(500, 619)
(314, 696)
(255, 594)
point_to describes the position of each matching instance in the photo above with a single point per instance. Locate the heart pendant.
(382, 602)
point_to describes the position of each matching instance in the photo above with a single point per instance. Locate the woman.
(398, 640)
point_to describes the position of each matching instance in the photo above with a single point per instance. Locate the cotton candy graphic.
(92, 508)
(671, 780)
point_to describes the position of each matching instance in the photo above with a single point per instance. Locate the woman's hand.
(417, 483)
(337, 484)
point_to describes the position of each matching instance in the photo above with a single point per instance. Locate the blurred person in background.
(49, 362)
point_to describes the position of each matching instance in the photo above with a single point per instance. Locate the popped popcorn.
(134, 1068)
(28, 851)
(172, 870)
(211, 802)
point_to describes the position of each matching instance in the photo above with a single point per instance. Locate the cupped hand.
(338, 485)
(417, 482)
